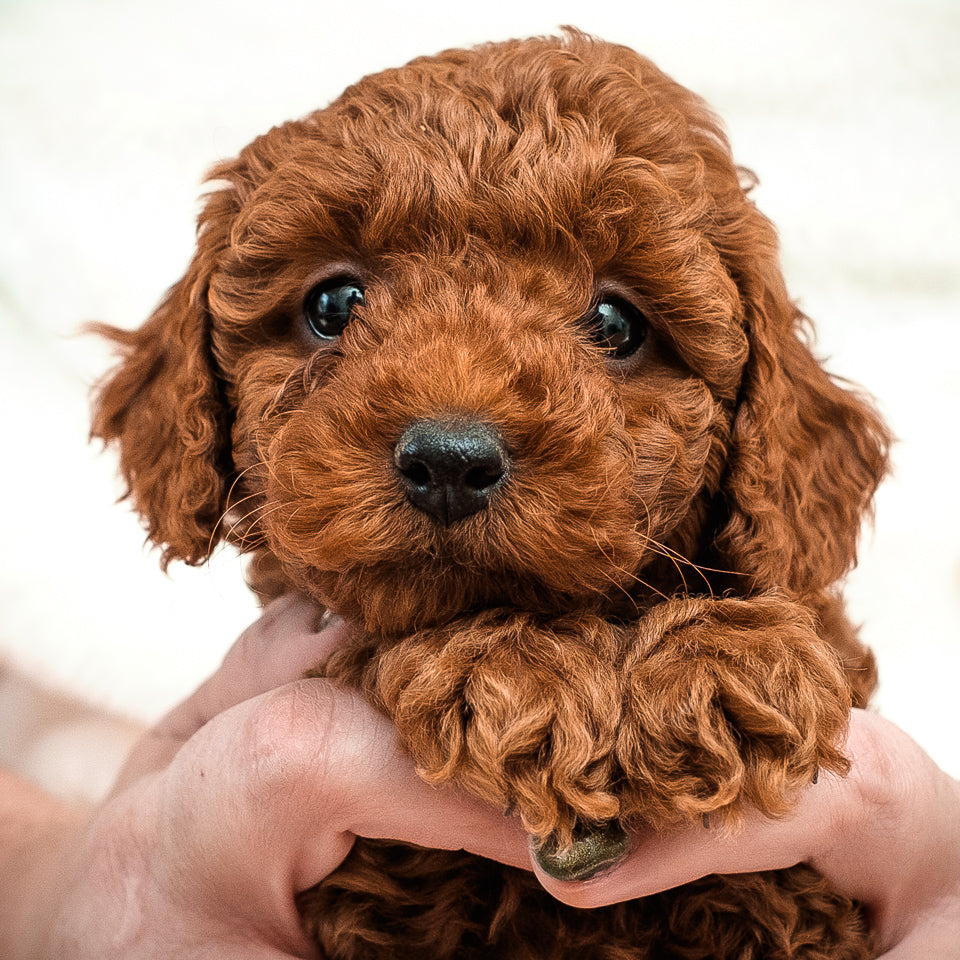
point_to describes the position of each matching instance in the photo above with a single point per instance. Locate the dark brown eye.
(328, 306)
(617, 325)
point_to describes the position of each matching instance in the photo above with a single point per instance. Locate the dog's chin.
(395, 602)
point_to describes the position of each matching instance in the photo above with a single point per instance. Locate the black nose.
(449, 469)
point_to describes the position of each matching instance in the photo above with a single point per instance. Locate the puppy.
(494, 356)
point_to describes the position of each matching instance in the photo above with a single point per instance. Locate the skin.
(255, 787)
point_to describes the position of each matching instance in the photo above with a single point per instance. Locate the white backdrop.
(111, 110)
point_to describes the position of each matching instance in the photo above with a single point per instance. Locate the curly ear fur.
(806, 456)
(162, 406)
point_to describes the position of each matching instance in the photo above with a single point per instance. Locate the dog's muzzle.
(451, 468)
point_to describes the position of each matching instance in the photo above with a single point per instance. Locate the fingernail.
(594, 851)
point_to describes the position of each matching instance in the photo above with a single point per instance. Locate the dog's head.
(499, 327)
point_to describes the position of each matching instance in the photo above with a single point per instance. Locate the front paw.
(728, 703)
(522, 713)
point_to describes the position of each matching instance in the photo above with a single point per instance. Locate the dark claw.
(816, 775)
(593, 849)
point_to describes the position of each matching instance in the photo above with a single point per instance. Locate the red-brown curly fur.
(644, 622)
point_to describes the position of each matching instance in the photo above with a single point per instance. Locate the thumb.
(288, 779)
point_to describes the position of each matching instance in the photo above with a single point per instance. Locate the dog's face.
(500, 327)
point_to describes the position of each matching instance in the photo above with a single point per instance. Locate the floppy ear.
(162, 406)
(806, 456)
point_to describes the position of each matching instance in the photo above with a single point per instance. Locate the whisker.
(701, 568)
(245, 541)
(240, 476)
(222, 519)
(627, 573)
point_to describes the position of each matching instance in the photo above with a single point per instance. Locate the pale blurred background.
(110, 112)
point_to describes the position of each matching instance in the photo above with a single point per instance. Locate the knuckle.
(286, 730)
(305, 741)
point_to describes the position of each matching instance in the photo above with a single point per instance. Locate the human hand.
(255, 787)
(887, 835)
(251, 790)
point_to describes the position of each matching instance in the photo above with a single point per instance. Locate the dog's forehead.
(516, 98)
(523, 143)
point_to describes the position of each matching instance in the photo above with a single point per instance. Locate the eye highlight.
(617, 326)
(328, 306)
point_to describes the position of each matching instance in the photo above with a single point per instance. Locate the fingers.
(292, 635)
(662, 860)
(861, 832)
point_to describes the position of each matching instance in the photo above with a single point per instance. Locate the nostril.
(415, 471)
(450, 468)
(485, 475)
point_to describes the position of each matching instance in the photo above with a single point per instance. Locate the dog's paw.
(521, 712)
(728, 703)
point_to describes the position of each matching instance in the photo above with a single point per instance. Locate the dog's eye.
(618, 326)
(328, 306)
